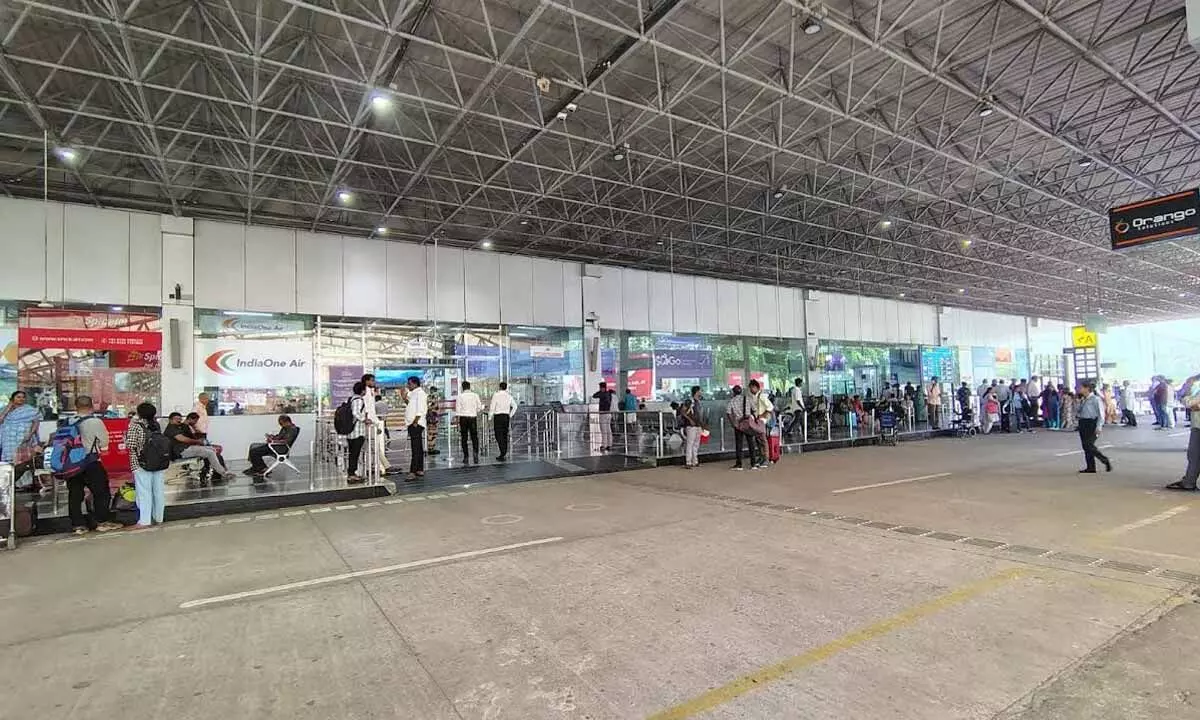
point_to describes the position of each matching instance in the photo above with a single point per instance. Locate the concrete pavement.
(942, 579)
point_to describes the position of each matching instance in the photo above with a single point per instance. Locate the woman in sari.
(18, 430)
(1050, 407)
(1111, 415)
(1067, 409)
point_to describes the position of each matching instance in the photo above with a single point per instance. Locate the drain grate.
(984, 543)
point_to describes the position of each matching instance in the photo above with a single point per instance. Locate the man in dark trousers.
(502, 409)
(1090, 415)
(604, 397)
(94, 437)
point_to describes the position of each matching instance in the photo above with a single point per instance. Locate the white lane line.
(892, 482)
(1103, 447)
(346, 507)
(295, 513)
(316, 582)
(1165, 515)
(1064, 454)
(393, 501)
(207, 523)
(1179, 434)
(266, 516)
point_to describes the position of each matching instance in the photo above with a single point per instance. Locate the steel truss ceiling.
(705, 136)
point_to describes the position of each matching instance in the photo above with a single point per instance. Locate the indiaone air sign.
(253, 364)
(1164, 218)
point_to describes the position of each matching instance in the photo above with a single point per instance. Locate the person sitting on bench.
(187, 442)
(282, 442)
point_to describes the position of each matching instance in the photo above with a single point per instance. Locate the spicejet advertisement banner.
(253, 364)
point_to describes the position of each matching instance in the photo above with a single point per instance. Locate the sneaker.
(738, 468)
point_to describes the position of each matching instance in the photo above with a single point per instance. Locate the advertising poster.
(639, 383)
(254, 364)
(8, 363)
(683, 363)
(938, 361)
(248, 325)
(341, 381)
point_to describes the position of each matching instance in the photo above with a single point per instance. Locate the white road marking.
(232, 521)
(1165, 515)
(321, 510)
(207, 523)
(346, 507)
(892, 482)
(267, 516)
(1064, 454)
(369, 504)
(342, 577)
(393, 501)
(1179, 434)
(295, 513)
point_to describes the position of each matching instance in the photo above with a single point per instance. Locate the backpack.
(343, 418)
(68, 456)
(156, 453)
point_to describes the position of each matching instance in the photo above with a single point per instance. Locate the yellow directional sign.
(1081, 337)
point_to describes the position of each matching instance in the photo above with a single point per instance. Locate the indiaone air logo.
(221, 362)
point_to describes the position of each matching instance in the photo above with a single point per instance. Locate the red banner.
(64, 339)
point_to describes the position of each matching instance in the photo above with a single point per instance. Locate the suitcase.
(774, 448)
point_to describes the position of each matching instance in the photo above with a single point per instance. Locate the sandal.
(80, 531)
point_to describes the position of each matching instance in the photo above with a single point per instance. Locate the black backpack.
(343, 418)
(156, 453)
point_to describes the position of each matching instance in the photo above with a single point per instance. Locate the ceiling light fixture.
(812, 26)
(902, 294)
(66, 154)
(524, 221)
(962, 291)
(381, 230)
(572, 107)
(486, 244)
(379, 101)
(562, 115)
(345, 196)
(1078, 269)
(885, 224)
(779, 192)
(985, 110)
(620, 151)
(117, 308)
(1085, 162)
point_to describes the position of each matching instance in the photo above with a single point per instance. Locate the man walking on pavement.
(1090, 415)
(466, 410)
(416, 412)
(1190, 395)
(502, 409)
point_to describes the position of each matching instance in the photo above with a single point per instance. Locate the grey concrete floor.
(988, 581)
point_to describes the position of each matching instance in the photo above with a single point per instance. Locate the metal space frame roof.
(958, 152)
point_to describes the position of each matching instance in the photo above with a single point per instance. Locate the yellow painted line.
(759, 678)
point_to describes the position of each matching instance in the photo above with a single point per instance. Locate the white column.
(178, 288)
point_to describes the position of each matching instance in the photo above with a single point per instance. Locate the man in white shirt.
(466, 410)
(1033, 391)
(416, 411)
(503, 407)
(376, 425)
(201, 409)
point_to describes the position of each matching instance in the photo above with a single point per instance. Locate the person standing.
(502, 409)
(1126, 404)
(357, 437)
(1090, 416)
(740, 413)
(466, 411)
(1033, 391)
(377, 426)
(416, 415)
(201, 409)
(688, 418)
(934, 401)
(149, 483)
(1189, 395)
(604, 398)
(93, 436)
(762, 410)
(990, 411)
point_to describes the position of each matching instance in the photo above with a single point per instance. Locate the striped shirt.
(135, 440)
(1090, 408)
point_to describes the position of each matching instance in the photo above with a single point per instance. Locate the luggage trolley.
(887, 427)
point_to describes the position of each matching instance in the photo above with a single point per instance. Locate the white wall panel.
(707, 303)
(96, 243)
(662, 303)
(635, 300)
(683, 301)
(787, 313)
(548, 293)
(319, 273)
(768, 311)
(516, 290)
(891, 326)
(23, 237)
(748, 320)
(835, 309)
(929, 325)
(407, 295)
(851, 311)
(447, 267)
(220, 265)
(608, 297)
(816, 317)
(145, 259)
(867, 307)
(572, 274)
(904, 315)
(364, 275)
(482, 292)
(728, 317)
(270, 270)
